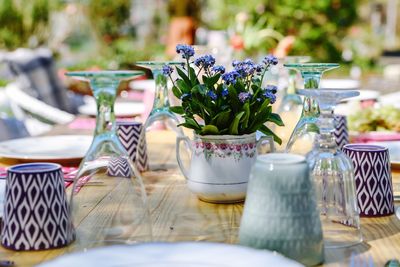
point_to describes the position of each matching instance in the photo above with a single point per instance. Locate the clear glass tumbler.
(108, 198)
(333, 174)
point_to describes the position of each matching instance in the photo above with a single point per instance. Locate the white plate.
(142, 85)
(121, 109)
(394, 151)
(340, 83)
(186, 254)
(46, 148)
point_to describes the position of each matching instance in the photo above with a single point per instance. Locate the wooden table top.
(178, 215)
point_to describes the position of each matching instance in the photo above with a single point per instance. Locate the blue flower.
(259, 68)
(270, 60)
(269, 95)
(244, 96)
(272, 88)
(235, 63)
(219, 69)
(167, 70)
(212, 95)
(225, 92)
(185, 96)
(185, 50)
(244, 68)
(230, 77)
(205, 61)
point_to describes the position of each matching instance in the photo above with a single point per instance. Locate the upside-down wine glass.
(303, 135)
(160, 113)
(333, 174)
(291, 104)
(108, 199)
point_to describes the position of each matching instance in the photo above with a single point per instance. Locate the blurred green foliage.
(109, 17)
(319, 26)
(23, 23)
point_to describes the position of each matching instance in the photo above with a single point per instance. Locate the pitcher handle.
(179, 139)
(270, 141)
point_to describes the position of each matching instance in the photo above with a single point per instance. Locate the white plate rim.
(394, 163)
(43, 157)
(258, 254)
(129, 109)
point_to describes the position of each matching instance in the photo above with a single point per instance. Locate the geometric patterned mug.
(129, 135)
(373, 179)
(36, 211)
(341, 131)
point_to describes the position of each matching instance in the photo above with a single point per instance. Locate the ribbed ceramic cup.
(341, 131)
(36, 211)
(280, 211)
(373, 179)
(129, 136)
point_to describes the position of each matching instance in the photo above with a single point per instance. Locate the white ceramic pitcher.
(220, 165)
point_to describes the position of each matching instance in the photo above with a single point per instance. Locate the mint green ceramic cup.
(280, 212)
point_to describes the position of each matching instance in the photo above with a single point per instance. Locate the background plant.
(236, 105)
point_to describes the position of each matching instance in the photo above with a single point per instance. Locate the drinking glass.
(291, 104)
(303, 135)
(160, 116)
(108, 199)
(333, 174)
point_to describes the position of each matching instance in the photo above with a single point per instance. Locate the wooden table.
(179, 216)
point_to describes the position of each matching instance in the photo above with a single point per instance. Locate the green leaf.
(190, 123)
(177, 93)
(209, 129)
(245, 119)
(224, 131)
(264, 129)
(177, 109)
(184, 87)
(200, 88)
(260, 118)
(275, 118)
(221, 120)
(233, 128)
(233, 96)
(183, 76)
(210, 81)
(193, 77)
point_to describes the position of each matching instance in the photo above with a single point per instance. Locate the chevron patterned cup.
(36, 211)
(341, 131)
(129, 135)
(373, 179)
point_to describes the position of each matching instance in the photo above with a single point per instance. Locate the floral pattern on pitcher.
(225, 150)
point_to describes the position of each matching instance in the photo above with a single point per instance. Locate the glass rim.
(343, 93)
(366, 148)
(311, 65)
(158, 63)
(281, 158)
(35, 167)
(105, 73)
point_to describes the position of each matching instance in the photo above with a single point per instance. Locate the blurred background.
(362, 35)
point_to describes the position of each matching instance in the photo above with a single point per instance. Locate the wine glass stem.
(161, 101)
(105, 94)
(310, 106)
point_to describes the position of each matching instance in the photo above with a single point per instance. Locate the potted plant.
(225, 110)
